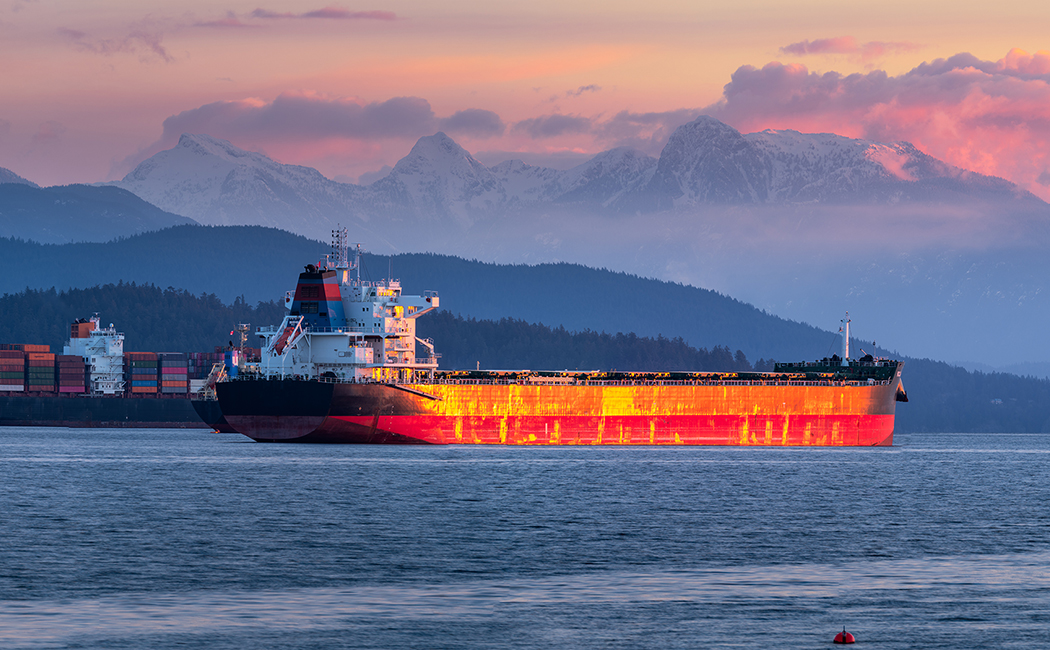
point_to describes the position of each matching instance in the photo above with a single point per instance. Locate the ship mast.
(845, 340)
(341, 253)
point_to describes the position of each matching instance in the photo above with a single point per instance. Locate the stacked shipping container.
(12, 371)
(173, 373)
(199, 364)
(140, 372)
(25, 347)
(71, 372)
(40, 372)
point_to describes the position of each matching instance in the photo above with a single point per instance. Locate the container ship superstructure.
(342, 367)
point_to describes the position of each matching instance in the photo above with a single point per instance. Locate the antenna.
(339, 248)
(845, 340)
(357, 261)
(243, 329)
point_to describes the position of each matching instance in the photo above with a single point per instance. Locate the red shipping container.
(12, 354)
(71, 389)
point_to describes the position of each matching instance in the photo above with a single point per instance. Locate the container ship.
(342, 367)
(96, 383)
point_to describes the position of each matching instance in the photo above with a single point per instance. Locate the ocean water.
(189, 539)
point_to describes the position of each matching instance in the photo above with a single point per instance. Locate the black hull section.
(211, 414)
(98, 412)
(300, 411)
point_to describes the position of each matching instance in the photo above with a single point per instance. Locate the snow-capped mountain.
(604, 179)
(527, 184)
(825, 167)
(440, 188)
(214, 182)
(708, 162)
(439, 178)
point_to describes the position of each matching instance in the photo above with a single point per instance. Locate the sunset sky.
(89, 89)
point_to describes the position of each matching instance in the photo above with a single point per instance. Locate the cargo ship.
(96, 383)
(342, 367)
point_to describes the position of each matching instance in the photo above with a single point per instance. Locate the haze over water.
(163, 539)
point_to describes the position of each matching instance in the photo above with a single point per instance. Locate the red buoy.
(844, 637)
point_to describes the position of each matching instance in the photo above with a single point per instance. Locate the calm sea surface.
(189, 539)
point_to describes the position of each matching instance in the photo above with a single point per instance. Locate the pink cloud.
(231, 21)
(592, 88)
(475, 122)
(647, 132)
(865, 52)
(992, 117)
(306, 116)
(142, 41)
(329, 13)
(550, 126)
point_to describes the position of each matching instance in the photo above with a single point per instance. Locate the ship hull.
(522, 414)
(209, 412)
(99, 412)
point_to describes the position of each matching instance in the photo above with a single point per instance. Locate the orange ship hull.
(466, 412)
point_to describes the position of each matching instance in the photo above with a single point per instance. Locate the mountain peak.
(442, 177)
(436, 146)
(436, 153)
(207, 145)
(708, 161)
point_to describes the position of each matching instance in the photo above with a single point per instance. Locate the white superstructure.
(342, 328)
(101, 348)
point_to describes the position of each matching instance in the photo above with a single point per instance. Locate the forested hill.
(260, 264)
(943, 398)
(152, 319)
(515, 344)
